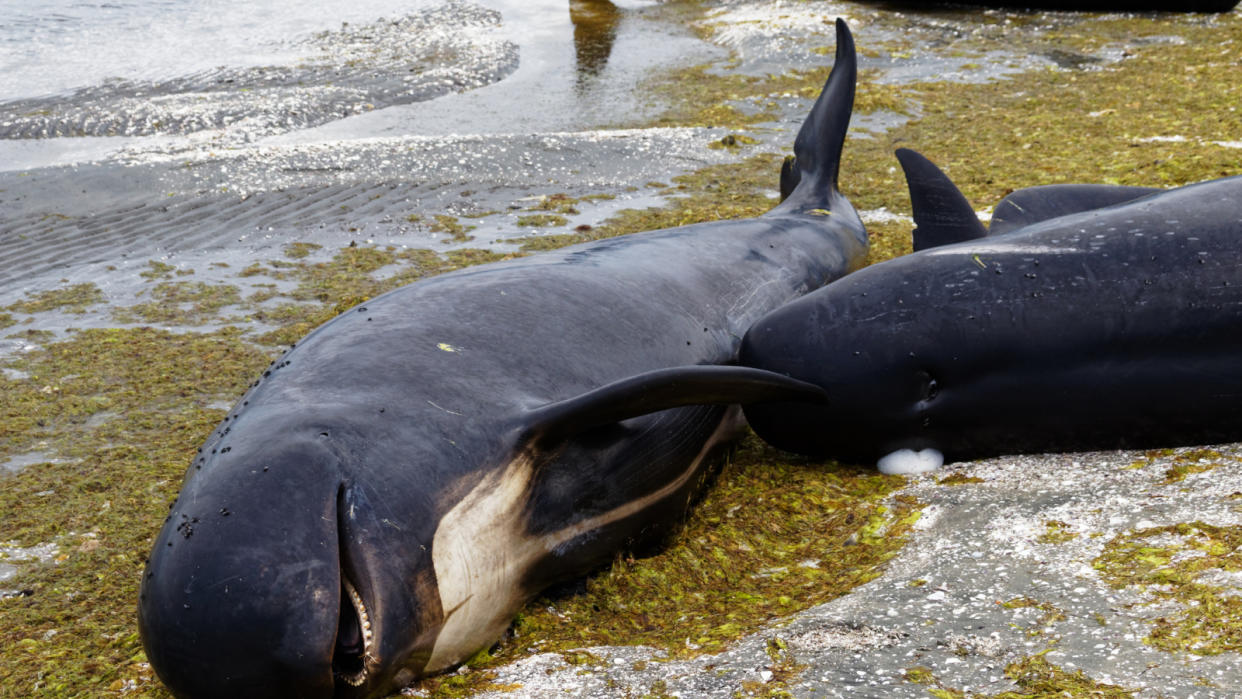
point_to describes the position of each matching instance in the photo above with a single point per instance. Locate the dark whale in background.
(1077, 5)
(396, 486)
(1091, 317)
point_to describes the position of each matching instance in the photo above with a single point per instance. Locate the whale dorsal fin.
(809, 180)
(941, 213)
(1035, 204)
(662, 389)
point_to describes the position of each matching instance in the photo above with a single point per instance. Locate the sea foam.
(907, 461)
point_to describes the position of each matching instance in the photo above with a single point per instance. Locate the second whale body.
(1088, 317)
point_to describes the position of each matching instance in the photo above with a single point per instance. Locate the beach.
(172, 217)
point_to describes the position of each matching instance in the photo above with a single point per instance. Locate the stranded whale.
(388, 494)
(1089, 317)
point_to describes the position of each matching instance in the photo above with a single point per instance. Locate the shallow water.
(333, 124)
(303, 79)
(84, 81)
(56, 46)
(579, 69)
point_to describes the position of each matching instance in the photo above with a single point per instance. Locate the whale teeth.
(356, 679)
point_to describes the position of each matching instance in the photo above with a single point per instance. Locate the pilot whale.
(388, 494)
(1086, 317)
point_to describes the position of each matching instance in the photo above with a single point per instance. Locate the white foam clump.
(906, 461)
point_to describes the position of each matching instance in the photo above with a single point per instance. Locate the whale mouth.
(354, 638)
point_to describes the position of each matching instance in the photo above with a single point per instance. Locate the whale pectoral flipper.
(1035, 204)
(662, 389)
(942, 215)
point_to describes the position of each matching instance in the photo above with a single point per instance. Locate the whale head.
(276, 575)
(886, 392)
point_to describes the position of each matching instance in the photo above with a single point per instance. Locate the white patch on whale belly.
(908, 461)
(482, 549)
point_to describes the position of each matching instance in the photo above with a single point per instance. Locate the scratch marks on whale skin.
(757, 297)
(1000, 248)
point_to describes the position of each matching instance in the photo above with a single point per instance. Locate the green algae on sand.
(122, 410)
(1181, 564)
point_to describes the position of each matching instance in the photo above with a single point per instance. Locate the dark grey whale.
(1089, 317)
(396, 486)
(1077, 5)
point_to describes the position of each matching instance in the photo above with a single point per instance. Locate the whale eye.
(930, 387)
